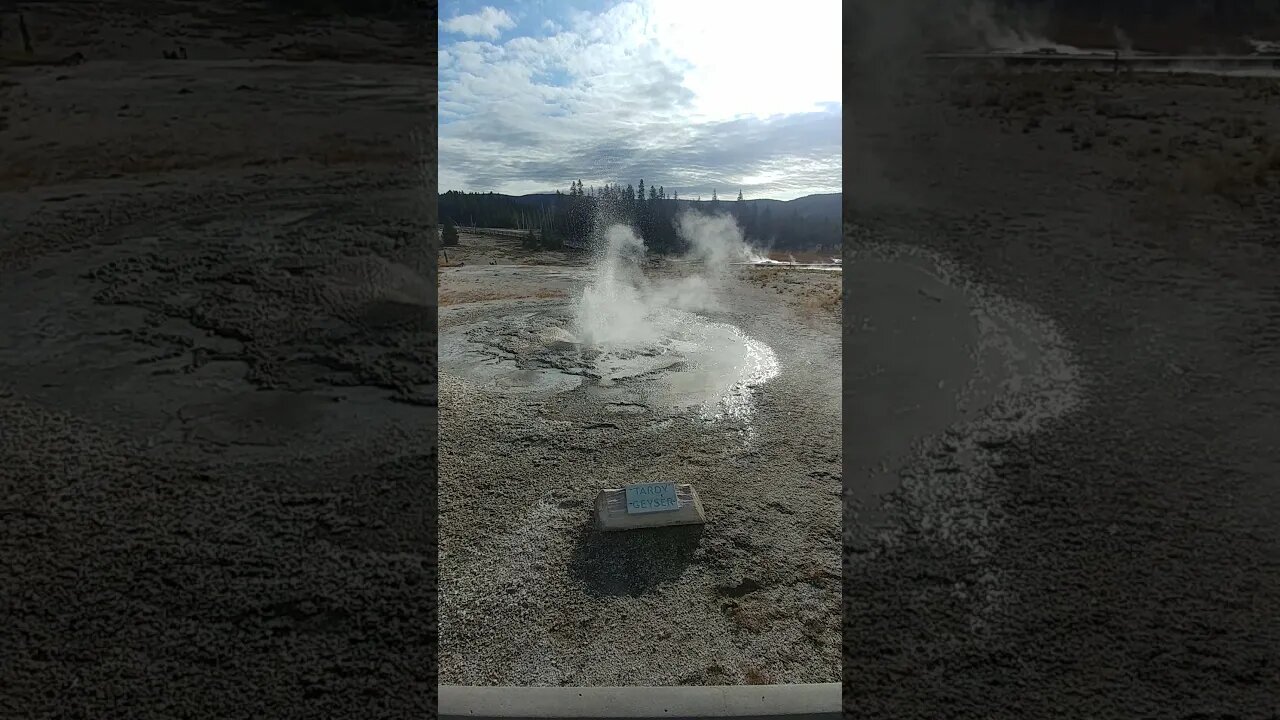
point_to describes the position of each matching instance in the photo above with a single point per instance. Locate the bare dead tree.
(26, 36)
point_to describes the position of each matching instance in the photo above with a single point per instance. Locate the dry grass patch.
(820, 575)
(749, 616)
(460, 297)
(817, 293)
(824, 300)
(1242, 176)
(133, 156)
(25, 172)
(1237, 176)
(338, 149)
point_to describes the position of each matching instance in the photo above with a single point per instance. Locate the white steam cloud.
(620, 307)
(627, 324)
(1005, 30)
(1123, 42)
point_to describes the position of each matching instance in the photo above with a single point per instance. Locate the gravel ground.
(532, 594)
(214, 30)
(1120, 557)
(217, 391)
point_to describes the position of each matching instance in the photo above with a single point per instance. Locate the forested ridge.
(570, 218)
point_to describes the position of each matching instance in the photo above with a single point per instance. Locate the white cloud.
(679, 95)
(489, 22)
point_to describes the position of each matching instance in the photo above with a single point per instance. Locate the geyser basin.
(628, 372)
(684, 361)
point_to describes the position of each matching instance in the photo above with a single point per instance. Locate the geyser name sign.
(648, 505)
(652, 497)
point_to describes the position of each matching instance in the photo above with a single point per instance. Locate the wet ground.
(935, 357)
(197, 328)
(217, 391)
(221, 441)
(1117, 559)
(738, 399)
(687, 362)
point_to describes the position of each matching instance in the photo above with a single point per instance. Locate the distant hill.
(809, 205)
(809, 222)
(823, 203)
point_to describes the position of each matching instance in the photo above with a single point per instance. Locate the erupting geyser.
(622, 327)
(612, 310)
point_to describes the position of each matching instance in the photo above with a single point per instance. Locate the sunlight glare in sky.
(751, 58)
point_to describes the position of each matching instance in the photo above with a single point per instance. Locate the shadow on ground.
(634, 562)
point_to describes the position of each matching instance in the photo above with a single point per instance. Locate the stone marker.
(612, 511)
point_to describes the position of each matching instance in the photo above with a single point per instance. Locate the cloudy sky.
(688, 94)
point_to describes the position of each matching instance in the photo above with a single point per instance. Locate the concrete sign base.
(611, 511)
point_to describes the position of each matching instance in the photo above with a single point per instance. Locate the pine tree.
(450, 233)
(739, 196)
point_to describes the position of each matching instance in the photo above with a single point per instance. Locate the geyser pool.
(689, 362)
(624, 329)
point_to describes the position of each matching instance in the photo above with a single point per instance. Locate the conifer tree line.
(570, 218)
